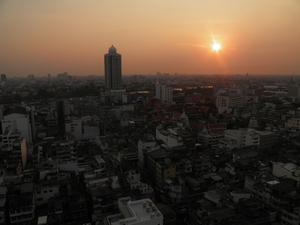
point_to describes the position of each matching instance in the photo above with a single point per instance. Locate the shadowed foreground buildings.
(110, 164)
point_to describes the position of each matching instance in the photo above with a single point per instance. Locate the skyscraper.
(3, 77)
(113, 69)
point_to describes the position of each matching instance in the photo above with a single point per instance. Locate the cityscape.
(160, 149)
(149, 112)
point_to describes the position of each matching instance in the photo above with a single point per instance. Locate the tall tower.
(3, 77)
(113, 69)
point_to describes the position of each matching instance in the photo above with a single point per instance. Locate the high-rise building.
(30, 77)
(164, 92)
(113, 69)
(3, 77)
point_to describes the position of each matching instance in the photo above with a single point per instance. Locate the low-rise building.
(139, 212)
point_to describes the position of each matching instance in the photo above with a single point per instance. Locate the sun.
(216, 46)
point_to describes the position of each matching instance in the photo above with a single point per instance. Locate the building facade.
(113, 69)
(164, 92)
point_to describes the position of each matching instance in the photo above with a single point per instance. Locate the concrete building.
(19, 121)
(164, 92)
(30, 77)
(267, 139)
(170, 136)
(294, 91)
(211, 134)
(3, 77)
(3, 192)
(226, 102)
(291, 217)
(48, 187)
(239, 139)
(8, 138)
(117, 95)
(113, 69)
(22, 204)
(145, 143)
(19, 151)
(74, 127)
(288, 170)
(139, 212)
(293, 123)
(90, 131)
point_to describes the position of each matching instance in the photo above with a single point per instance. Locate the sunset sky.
(257, 36)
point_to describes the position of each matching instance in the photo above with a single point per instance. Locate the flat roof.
(42, 220)
(291, 167)
(139, 207)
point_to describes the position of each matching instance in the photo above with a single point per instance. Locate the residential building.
(169, 136)
(19, 120)
(226, 102)
(267, 139)
(291, 217)
(144, 143)
(164, 92)
(3, 77)
(288, 170)
(294, 91)
(8, 138)
(211, 134)
(139, 212)
(293, 123)
(73, 126)
(117, 95)
(239, 139)
(22, 204)
(19, 152)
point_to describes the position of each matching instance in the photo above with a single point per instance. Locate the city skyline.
(257, 37)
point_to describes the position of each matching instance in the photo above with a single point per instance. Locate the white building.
(239, 139)
(170, 137)
(225, 102)
(74, 127)
(113, 70)
(18, 119)
(8, 138)
(140, 212)
(164, 92)
(288, 170)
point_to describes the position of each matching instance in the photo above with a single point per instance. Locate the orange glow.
(216, 46)
(41, 37)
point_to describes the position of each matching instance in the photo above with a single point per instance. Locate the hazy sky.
(257, 36)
